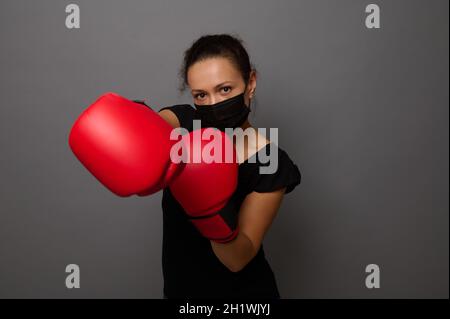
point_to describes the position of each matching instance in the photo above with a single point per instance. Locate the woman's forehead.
(210, 72)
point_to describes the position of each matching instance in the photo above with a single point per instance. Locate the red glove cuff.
(221, 226)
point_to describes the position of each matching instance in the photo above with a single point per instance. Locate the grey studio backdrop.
(363, 113)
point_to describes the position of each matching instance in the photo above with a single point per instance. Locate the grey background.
(364, 114)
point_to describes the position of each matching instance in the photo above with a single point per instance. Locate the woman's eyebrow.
(217, 86)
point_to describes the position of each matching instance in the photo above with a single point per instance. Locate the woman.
(218, 72)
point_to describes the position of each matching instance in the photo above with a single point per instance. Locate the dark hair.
(216, 45)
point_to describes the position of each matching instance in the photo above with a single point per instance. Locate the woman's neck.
(250, 143)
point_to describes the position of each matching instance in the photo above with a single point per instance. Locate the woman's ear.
(252, 83)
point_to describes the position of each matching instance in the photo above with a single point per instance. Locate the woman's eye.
(226, 89)
(200, 95)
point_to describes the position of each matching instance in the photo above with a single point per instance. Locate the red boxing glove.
(205, 189)
(125, 145)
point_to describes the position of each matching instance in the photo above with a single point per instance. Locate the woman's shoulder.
(184, 113)
(273, 169)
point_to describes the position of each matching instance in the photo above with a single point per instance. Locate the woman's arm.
(256, 214)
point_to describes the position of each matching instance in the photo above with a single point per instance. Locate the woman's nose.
(215, 99)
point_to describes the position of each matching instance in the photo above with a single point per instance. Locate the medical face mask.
(231, 113)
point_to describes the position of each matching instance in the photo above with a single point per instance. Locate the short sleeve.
(184, 112)
(287, 175)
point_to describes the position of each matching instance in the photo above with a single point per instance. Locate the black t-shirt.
(190, 267)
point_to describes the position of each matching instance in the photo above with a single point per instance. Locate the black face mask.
(229, 113)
